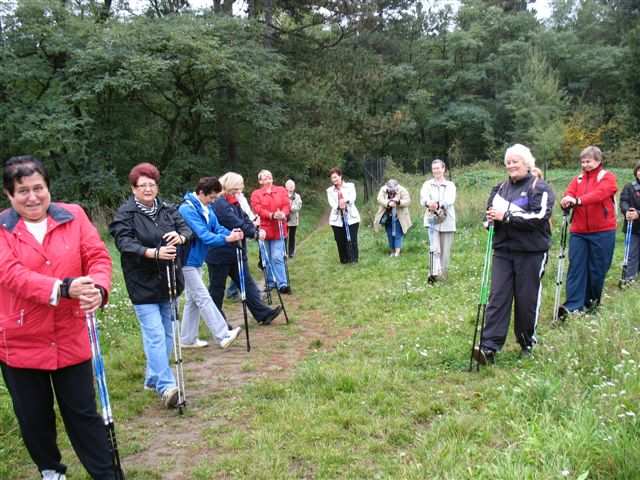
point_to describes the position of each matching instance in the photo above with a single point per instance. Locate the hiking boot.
(271, 316)
(197, 344)
(432, 279)
(170, 397)
(484, 356)
(285, 289)
(229, 338)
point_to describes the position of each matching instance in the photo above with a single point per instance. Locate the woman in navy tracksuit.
(630, 208)
(520, 209)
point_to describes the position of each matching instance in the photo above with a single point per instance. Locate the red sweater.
(265, 204)
(596, 192)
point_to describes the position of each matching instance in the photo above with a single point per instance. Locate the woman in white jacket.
(438, 196)
(342, 199)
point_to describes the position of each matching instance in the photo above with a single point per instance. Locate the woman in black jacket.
(520, 209)
(630, 207)
(222, 261)
(149, 234)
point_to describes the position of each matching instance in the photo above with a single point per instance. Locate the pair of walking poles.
(347, 232)
(267, 268)
(286, 264)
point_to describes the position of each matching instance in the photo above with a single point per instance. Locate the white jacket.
(445, 194)
(349, 193)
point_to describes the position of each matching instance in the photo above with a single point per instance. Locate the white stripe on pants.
(198, 302)
(440, 245)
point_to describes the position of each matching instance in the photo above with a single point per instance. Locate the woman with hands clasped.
(150, 233)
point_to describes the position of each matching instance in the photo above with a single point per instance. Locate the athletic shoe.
(170, 397)
(149, 387)
(562, 313)
(526, 352)
(52, 475)
(484, 356)
(269, 318)
(229, 338)
(286, 289)
(197, 344)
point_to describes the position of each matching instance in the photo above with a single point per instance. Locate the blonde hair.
(231, 180)
(522, 152)
(536, 172)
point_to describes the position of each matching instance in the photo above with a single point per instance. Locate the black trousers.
(291, 241)
(346, 254)
(218, 274)
(516, 279)
(32, 396)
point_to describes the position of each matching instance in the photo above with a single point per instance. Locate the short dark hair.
(143, 170)
(335, 170)
(22, 166)
(207, 185)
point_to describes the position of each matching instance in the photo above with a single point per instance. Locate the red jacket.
(264, 204)
(33, 333)
(596, 192)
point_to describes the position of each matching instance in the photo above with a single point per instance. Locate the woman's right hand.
(167, 253)
(632, 214)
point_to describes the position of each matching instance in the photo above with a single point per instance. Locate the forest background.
(298, 86)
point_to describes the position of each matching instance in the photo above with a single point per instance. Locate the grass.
(394, 399)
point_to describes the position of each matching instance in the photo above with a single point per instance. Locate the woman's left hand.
(495, 215)
(173, 238)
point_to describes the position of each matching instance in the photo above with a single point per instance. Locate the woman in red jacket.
(593, 232)
(54, 269)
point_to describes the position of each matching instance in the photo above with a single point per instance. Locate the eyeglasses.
(144, 186)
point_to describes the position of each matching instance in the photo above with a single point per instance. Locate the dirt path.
(173, 445)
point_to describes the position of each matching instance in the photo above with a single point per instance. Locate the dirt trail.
(173, 445)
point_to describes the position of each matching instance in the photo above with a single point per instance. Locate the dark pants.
(218, 274)
(32, 395)
(515, 279)
(347, 255)
(291, 241)
(590, 256)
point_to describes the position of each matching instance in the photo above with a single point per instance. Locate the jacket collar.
(130, 205)
(10, 218)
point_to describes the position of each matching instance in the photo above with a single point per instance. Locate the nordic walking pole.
(267, 263)
(484, 294)
(394, 221)
(264, 274)
(560, 271)
(175, 324)
(625, 261)
(345, 224)
(286, 251)
(243, 291)
(103, 393)
(430, 233)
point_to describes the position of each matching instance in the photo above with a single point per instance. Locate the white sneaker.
(229, 338)
(52, 475)
(197, 344)
(170, 397)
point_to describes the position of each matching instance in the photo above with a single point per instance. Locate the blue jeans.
(394, 241)
(275, 250)
(157, 341)
(590, 256)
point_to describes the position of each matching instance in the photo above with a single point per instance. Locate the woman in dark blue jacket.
(222, 261)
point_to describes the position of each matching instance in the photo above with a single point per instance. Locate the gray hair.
(438, 161)
(522, 152)
(593, 152)
(263, 172)
(392, 184)
(231, 180)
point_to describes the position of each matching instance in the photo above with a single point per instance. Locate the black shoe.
(432, 279)
(562, 313)
(286, 289)
(484, 356)
(271, 316)
(526, 352)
